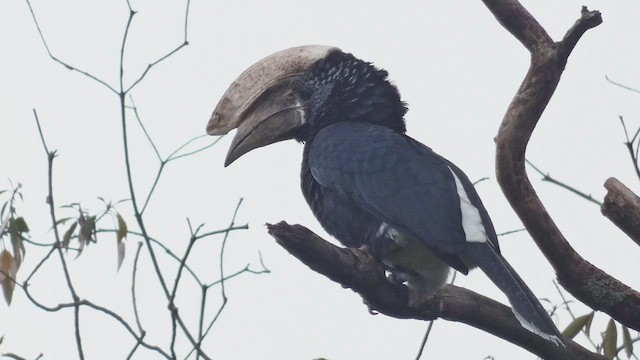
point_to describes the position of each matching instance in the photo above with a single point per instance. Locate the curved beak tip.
(214, 126)
(259, 99)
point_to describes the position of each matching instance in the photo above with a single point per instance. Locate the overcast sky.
(455, 66)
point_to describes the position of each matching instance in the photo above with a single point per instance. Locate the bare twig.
(424, 340)
(566, 306)
(223, 292)
(547, 177)
(184, 43)
(54, 58)
(144, 129)
(511, 232)
(629, 144)
(58, 246)
(133, 290)
(621, 85)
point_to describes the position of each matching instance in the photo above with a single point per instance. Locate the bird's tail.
(524, 304)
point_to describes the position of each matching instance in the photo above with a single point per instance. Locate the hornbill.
(367, 182)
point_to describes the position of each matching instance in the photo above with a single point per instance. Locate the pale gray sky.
(453, 63)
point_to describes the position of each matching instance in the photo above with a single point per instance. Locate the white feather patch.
(534, 329)
(471, 220)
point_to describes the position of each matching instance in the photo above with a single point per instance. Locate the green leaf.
(63, 220)
(4, 225)
(122, 228)
(19, 225)
(610, 340)
(121, 250)
(17, 244)
(576, 325)
(66, 238)
(87, 226)
(72, 206)
(626, 341)
(121, 234)
(4, 207)
(587, 326)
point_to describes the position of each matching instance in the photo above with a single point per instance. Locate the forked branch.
(583, 280)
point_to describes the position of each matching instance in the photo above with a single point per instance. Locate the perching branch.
(583, 280)
(358, 270)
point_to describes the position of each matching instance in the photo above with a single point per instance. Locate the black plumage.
(366, 181)
(370, 184)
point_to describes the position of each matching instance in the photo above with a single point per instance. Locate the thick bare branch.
(358, 270)
(583, 280)
(622, 207)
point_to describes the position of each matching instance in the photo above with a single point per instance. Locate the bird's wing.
(400, 181)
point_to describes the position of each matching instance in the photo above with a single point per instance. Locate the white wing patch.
(471, 220)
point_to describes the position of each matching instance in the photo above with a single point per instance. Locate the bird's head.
(296, 92)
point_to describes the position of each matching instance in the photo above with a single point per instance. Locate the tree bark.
(622, 207)
(584, 281)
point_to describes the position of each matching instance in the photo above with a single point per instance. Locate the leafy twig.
(58, 246)
(54, 58)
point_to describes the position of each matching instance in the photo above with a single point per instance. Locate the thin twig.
(430, 326)
(72, 68)
(480, 180)
(245, 269)
(183, 262)
(135, 348)
(133, 290)
(153, 186)
(223, 293)
(223, 231)
(621, 85)
(173, 155)
(185, 42)
(203, 302)
(84, 302)
(629, 143)
(573, 317)
(144, 129)
(58, 246)
(174, 291)
(511, 232)
(126, 325)
(424, 340)
(162, 246)
(546, 177)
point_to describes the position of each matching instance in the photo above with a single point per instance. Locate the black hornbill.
(367, 182)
